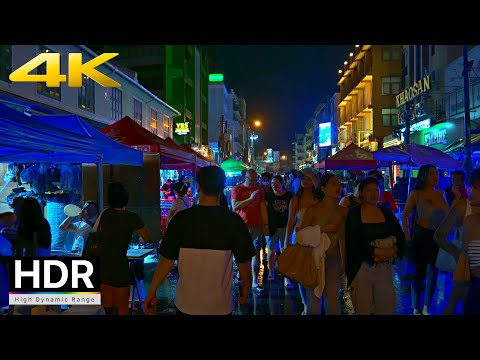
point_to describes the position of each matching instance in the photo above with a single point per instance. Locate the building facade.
(96, 104)
(368, 83)
(299, 151)
(178, 74)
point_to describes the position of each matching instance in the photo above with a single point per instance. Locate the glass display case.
(165, 205)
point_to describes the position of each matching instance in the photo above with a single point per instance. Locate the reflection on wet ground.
(277, 300)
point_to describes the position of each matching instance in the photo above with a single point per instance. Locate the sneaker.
(417, 312)
(425, 311)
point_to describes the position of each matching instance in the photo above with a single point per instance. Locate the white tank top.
(300, 216)
(473, 248)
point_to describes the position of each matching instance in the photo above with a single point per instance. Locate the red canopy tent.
(201, 160)
(126, 131)
(352, 157)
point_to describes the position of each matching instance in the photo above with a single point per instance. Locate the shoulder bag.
(92, 244)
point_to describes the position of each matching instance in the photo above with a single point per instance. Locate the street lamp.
(256, 123)
(253, 137)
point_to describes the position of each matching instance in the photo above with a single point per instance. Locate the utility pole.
(467, 164)
(408, 122)
(221, 143)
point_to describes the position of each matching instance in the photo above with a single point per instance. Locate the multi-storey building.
(97, 105)
(178, 74)
(310, 146)
(299, 151)
(369, 82)
(226, 112)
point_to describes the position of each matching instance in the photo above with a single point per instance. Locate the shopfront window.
(116, 104)
(51, 92)
(86, 94)
(390, 85)
(137, 111)
(390, 117)
(5, 62)
(391, 53)
(154, 122)
(166, 126)
(475, 100)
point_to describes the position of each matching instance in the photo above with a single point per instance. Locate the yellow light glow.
(265, 153)
(351, 54)
(283, 157)
(257, 123)
(339, 71)
(345, 62)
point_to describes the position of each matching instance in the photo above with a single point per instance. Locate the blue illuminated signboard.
(325, 134)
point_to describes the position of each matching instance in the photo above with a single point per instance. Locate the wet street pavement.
(277, 300)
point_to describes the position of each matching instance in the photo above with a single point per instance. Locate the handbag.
(297, 263)
(93, 242)
(445, 261)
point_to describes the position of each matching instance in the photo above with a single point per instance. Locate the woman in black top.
(115, 229)
(373, 238)
(34, 235)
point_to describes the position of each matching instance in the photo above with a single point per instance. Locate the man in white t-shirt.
(82, 227)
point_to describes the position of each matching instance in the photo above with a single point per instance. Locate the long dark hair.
(31, 215)
(32, 222)
(299, 193)
(323, 182)
(422, 176)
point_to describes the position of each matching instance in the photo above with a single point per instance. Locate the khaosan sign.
(325, 134)
(412, 92)
(181, 128)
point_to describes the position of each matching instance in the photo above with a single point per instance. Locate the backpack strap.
(97, 223)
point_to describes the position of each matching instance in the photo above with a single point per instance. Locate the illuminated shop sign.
(182, 128)
(425, 124)
(436, 138)
(215, 77)
(412, 92)
(269, 156)
(325, 134)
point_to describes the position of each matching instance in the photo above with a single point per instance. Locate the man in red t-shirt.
(248, 201)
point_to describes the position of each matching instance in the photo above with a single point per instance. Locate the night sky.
(282, 84)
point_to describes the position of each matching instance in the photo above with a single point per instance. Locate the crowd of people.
(266, 215)
(29, 234)
(365, 239)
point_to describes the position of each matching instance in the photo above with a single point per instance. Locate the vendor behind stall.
(168, 189)
(82, 227)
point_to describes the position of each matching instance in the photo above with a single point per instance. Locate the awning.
(417, 155)
(232, 165)
(352, 157)
(57, 139)
(127, 132)
(458, 146)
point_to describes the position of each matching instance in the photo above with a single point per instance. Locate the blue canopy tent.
(60, 139)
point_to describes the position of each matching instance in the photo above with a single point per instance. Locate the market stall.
(352, 157)
(415, 156)
(158, 154)
(43, 157)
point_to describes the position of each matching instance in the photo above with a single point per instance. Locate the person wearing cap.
(167, 189)
(82, 227)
